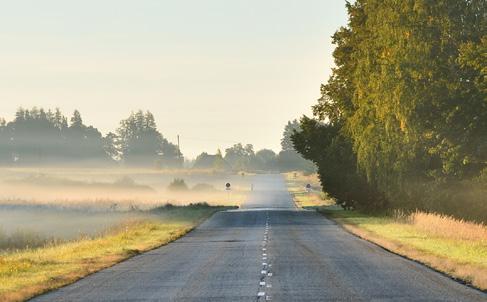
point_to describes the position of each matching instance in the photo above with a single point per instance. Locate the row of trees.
(402, 121)
(243, 157)
(37, 136)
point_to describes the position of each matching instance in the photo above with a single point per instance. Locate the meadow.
(59, 224)
(118, 188)
(28, 272)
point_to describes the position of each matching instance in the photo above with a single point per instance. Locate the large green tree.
(239, 156)
(407, 97)
(142, 144)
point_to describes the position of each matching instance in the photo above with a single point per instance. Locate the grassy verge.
(26, 273)
(296, 183)
(457, 248)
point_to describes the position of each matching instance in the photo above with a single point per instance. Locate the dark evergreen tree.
(142, 144)
(39, 137)
(289, 129)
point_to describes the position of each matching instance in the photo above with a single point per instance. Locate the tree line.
(37, 136)
(402, 121)
(241, 157)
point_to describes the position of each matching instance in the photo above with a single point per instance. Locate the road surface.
(268, 250)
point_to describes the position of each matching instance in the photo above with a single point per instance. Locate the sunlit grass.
(448, 227)
(456, 247)
(26, 273)
(296, 183)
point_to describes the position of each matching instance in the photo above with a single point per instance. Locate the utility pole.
(179, 149)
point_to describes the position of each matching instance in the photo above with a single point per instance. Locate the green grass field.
(29, 272)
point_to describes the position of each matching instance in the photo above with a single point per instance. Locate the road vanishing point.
(267, 250)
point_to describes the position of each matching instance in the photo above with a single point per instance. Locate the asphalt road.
(268, 250)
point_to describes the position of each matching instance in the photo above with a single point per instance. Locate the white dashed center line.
(264, 280)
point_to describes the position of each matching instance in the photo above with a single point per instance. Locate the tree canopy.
(141, 143)
(406, 104)
(37, 136)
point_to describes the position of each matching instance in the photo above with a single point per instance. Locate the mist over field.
(66, 203)
(264, 132)
(102, 188)
(32, 226)
(61, 180)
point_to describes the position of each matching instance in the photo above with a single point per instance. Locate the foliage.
(289, 159)
(289, 129)
(21, 239)
(142, 144)
(405, 105)
(178, 184)
(37, 136)
(239, 156)
(265, 159)
(336, 163)
(210, 161)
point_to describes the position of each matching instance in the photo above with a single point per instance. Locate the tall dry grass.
(442, 225)
(454, 246)
(448, 226)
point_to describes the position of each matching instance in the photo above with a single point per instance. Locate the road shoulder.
(470, 273)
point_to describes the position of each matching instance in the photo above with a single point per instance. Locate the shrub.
(178, 184)
(21, 239)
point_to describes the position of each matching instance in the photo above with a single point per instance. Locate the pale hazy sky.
(214, 71)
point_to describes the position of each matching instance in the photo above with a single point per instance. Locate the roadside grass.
(455, 247)
(296, 183)
(29, 272)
